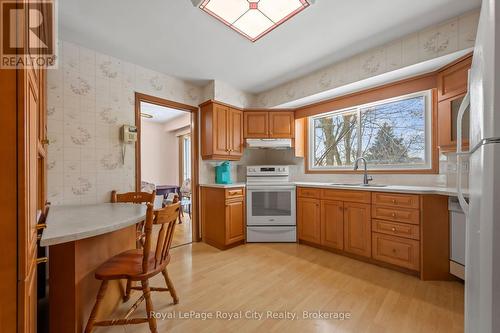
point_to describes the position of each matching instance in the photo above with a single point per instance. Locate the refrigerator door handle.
(461, 111)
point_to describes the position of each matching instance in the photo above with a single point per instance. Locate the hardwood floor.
(297, 278)
(183, 233)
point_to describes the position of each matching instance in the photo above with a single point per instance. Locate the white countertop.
(75, 222)
(224, 185)
(450, 191)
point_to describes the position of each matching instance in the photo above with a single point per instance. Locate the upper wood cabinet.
(221, 132)
(269, 124)
(256, 124)
(452, 87)
(452, 80)
(281, 124)
(236, 133)
(447, 120)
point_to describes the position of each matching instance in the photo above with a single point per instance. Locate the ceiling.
(161, 114)
(173, 37)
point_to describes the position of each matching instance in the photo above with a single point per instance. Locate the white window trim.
(427, 94)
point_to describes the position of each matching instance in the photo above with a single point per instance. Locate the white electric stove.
(270, 204)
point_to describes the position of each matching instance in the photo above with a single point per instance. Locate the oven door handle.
(270, 188)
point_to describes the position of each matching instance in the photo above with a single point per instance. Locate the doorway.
(166, 158)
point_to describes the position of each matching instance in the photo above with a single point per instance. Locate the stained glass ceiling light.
(253, 18)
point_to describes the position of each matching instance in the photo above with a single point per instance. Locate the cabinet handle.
(394, 201)
(45, 141)
(42, 260)
(393, 214)
(393, 229)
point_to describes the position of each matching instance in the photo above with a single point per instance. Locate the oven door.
(270, 205)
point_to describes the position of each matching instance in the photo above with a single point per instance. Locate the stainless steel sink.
(358, 185)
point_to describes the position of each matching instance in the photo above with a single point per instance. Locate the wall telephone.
(128, 134)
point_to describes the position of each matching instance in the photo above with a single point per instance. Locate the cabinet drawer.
(396, 200)
(396, 229)
(346, 195)
(308, 192)
(234, 192)
(396, 250)
(396, 214)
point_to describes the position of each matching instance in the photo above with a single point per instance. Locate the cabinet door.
(235, 215)
(332, 224)
(447, 124)
(236, 132)
(256, 124)
(308, 220)
(453, 80)
(357, 229)
(281, 124)
(220, 130)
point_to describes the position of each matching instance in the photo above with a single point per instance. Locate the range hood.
(269, 143)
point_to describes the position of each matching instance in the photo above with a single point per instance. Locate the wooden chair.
(137, 198)
(140, 265)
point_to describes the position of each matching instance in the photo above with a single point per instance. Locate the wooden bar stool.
(140, 265)
(137, 198)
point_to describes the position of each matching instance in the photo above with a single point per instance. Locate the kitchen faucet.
(366, 179)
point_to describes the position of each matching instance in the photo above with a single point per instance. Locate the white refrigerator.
(482, 258)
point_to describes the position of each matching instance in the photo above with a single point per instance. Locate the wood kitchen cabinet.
(357, 229)
(223, 216)
(408, 232)
(452, 87)
(221, 132)
(256, 124)
(308, 220)
(325, 220)
(269, 124)
(281, 124)
(332, 224)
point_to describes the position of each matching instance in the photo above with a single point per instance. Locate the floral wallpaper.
(89, 97)
(454, 35)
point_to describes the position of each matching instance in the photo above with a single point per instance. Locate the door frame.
(181, 155)
(139, 97)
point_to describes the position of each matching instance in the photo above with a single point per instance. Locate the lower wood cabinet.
(398, 230)
(223, 216)
(308, 220)
(235, 213)
(332, 224)
(357, 229)
(396, 250)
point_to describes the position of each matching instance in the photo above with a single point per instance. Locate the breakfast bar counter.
(80, 238)
(76, 222)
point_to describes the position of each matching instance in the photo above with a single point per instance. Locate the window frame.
(430, 146)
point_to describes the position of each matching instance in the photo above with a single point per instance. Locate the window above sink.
(393, 135)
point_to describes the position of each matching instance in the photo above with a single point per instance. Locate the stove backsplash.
(446, 177)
